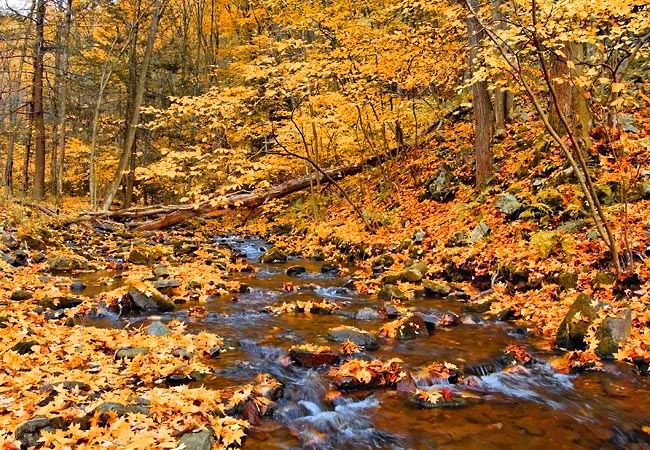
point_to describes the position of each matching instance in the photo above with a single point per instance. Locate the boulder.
(197, 440)
(508, 204)
(295, 271)
(64, 263)
(20, 295)
(367, 314)
(29, 432)
(274, 254)
(360, 337)
(612, 332)
(62, 302)
(412, 327)
(144, 254)
(567, 280)
(440, 187)
(157, 328)
(32, 242)
(390, 292)
(130, 352)
(411, 275)
(435, 288)
(149, 300)
(573, 330)
(161, 271)
(306, 358)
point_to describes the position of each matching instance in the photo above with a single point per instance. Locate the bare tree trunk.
(131, 92)
(58, 157)
(15, 101)
(483, 114)
(159, 6)
(37, 104)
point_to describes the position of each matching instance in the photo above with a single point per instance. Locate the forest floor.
(523, 250)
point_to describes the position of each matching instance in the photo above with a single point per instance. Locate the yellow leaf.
(617, 87)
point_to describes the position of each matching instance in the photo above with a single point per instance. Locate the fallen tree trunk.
(241, 200)
(173, 214)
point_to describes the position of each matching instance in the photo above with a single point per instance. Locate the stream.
(531, 407)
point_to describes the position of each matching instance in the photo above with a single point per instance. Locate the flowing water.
(530, 407)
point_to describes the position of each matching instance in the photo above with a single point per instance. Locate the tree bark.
(58, 157)
(38, 116)
(483, 113)
(125, 159)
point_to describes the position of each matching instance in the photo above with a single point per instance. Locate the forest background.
(513, 134)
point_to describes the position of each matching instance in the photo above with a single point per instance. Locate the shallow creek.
(532, 407)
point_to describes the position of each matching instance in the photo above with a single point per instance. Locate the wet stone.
(295, 271)
(157, 328)
(435, 289)
(77, 286)
(152, 303)
(273, 255)
(359, 337)
(390, 292)
(329, 268)
(367, 314)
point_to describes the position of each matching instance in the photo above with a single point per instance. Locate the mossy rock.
(571, 333)
(612, 332)
(435, 289)
(272, 255)
(65, 263)
(567, 280)
(144, 254)
(360, 337)
(411, 275)
(390, 292)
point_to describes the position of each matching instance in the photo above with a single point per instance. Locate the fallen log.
(173, 214)
(242, 200)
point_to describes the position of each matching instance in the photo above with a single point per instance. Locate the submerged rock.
(367, 314)
(295, 271)
(274, 254)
